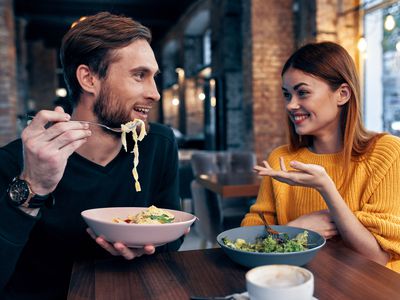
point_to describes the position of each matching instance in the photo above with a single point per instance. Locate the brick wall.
(269, 44)
(333, 25)
(8, 91)
(42, 74)
(272, 42)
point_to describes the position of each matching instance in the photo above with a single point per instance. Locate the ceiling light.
(362, 44)
(175, 101)
(61, 92)
(395, 125)
(390, 23)
(213, 101)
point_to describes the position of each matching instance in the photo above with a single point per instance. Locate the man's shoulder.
(11, 156)
(13, 148)
(160, 130)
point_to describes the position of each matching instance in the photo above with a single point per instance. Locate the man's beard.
(109, 110)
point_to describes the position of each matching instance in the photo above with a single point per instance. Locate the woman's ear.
(344, 94)
(86, 79)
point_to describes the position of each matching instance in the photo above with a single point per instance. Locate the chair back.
(222, 161)
(204, 163)
(243, 161)
(207, 207)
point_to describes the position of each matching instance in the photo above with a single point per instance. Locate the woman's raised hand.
(308, 175)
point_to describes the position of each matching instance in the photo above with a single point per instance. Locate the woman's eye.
(303, 93)
(287, 96)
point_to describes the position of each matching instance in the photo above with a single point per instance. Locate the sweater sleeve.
(167, 195)
(15, 225)
(168, 192)
(266, 202)
(380, 210)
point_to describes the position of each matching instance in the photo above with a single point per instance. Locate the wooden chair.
(217, 214)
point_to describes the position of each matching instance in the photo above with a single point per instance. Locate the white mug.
(283, 282)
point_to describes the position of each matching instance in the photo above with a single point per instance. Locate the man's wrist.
(30, 211)
(38, 190)
(20, 194)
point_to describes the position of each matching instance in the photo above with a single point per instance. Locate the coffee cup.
(284, 282)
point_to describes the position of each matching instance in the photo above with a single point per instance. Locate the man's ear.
(86, 79)
(344, 94)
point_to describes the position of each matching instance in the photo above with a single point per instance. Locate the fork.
(242, 296)
(94, 123)
(267, 227)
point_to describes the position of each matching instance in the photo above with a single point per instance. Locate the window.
(382, 67)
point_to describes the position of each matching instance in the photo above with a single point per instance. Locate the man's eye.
(140, 75)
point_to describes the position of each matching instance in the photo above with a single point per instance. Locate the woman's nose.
(292, 104)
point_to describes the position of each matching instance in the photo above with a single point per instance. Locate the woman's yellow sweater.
(372, 193)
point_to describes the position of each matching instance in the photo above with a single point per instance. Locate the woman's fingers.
(282, 164)
(329, 234)
(266, 164)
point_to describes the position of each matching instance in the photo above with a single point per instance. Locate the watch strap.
(38, 201)
(32, 200)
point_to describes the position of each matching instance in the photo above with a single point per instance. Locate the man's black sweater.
(37, 253)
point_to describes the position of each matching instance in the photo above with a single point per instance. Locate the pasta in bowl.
(138, 226)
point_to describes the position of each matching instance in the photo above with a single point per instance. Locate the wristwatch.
(20, 194)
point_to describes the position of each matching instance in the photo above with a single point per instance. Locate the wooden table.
(339, 274)
(231, 184)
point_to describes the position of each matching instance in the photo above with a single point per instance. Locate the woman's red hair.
(332, 63)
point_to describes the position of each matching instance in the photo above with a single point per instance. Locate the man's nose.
(152, 92)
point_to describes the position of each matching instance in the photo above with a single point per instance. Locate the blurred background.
(220, 61)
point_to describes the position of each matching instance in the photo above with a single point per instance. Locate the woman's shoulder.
(388, 146)
(388, 141)
(385, 151)
(280, 151)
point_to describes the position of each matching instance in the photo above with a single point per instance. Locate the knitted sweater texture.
(372, 192)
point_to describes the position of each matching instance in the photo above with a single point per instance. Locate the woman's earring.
(300, 140)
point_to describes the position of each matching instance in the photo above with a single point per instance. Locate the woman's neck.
(326, 145)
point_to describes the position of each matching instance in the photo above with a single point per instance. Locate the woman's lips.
(299, 118)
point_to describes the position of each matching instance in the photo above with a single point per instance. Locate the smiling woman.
(341, 179)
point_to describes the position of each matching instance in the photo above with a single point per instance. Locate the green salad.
(271, 243)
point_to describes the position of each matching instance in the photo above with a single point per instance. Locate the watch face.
(19, 191)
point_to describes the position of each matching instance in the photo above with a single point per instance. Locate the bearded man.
(61, 166)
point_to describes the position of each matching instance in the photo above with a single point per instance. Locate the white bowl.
(100, 220)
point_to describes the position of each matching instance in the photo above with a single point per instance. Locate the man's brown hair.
(91, 42)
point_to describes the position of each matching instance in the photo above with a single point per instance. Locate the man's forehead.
(138, 54)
